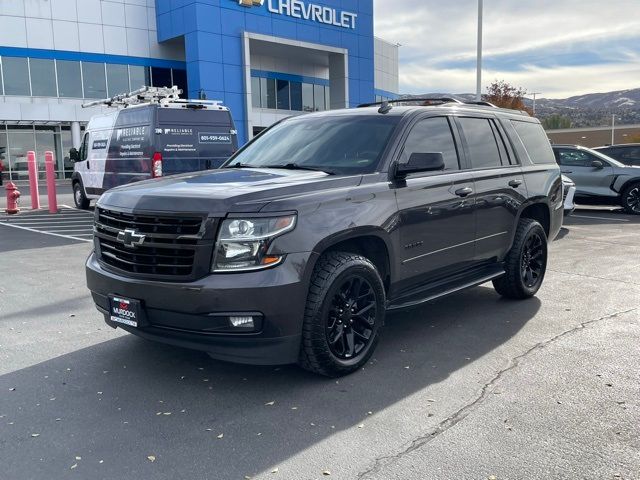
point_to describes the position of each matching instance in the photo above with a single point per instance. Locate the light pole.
(613, 129)
(534, 101)
(479, 64)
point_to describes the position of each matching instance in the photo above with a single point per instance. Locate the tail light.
(156, 165)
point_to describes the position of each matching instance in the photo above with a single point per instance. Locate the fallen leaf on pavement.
(152, 458)
(269, 404)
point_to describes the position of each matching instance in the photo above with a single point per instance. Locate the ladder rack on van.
(168, 97)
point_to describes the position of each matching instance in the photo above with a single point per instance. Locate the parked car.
(569, 193)
(628, 153)
(149, 141)
(600, 179)
(297, 247)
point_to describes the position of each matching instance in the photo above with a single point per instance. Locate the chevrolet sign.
(307, 11)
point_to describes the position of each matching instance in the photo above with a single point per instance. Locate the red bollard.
(33, 180)
(12, 198)
(49, 166)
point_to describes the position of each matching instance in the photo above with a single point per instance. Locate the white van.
(150, 140)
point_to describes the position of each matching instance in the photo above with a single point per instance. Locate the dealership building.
(264, 59)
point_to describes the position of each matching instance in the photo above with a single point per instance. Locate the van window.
(134, 117)
(429, 136)
(481, 141)
(535, 141)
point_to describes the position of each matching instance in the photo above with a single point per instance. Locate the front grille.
(170, 248)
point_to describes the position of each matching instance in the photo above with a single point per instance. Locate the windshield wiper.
(239, 165)
(295, 166)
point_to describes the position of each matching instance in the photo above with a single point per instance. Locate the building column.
(76, 138)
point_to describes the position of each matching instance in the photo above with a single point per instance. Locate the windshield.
(332, 143)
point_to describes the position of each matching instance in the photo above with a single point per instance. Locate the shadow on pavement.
(125, 399)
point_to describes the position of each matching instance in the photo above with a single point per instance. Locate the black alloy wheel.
(352, 317)
(631, 199)
(344, 314)
(532, 260)
(526, 263)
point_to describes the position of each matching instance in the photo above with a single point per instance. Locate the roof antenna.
(385, 107)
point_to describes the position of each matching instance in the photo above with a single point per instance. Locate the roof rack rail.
(481, 103)
(425, 101)
(163, 96)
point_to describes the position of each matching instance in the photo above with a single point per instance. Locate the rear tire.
(79, 198)
(630, 199)
(344, 315)
(526, 262)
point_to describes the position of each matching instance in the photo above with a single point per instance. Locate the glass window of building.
(48, 140)
(1, 82)
(16, 76)
(117, 79)
(284, 102)
(95, 85)
(307, 97)
(327, 94)
(318, 98)
(43, 78)
(69, 79)
(4, 154)
(139, 77)
(161, 77)
(296, 96)
(20, 140)
(67, 144)
(271, 93)
(180, 81)
(255, 92)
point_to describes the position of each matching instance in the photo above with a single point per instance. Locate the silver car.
(600, 179)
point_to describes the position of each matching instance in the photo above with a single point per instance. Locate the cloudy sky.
(560, 48)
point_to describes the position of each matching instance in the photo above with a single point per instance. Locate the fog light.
(242, 322)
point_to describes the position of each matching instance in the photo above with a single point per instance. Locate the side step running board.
(432, 295)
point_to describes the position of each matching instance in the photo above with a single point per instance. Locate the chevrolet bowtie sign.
(307, 11)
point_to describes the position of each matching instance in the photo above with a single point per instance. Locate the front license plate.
(125, 311)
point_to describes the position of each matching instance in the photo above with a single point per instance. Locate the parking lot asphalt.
(468, 387)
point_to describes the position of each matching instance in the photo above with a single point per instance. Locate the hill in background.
(591, 110)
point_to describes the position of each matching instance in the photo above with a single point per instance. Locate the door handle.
(464, 192)
(567, 171)
(515, 183)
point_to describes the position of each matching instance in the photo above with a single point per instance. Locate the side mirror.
(597, 164)
(74, 155)
(421, 162)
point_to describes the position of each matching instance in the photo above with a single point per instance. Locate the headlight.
(243, 243)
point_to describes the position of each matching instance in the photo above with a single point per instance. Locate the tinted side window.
(535, 141)
(483, 149)
(430, 136)
(574, 158)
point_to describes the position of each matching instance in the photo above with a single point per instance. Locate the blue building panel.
(213, 35)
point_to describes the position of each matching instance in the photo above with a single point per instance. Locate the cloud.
(560, 48)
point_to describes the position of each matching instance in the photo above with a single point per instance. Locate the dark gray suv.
(297, 247)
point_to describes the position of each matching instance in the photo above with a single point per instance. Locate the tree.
(555, 121)
(505, 95)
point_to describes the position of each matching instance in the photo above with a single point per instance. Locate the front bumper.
(569, 200)
(185, 314)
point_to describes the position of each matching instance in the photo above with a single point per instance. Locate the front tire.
(630, 199)
(79, 198)
(526, 262)
(344, 315)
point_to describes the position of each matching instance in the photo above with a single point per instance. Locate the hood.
(218, 192)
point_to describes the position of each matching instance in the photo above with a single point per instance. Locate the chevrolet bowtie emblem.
(251, 3)
(130, 238)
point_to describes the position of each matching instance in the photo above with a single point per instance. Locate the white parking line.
(604, 219)
(45, 232)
